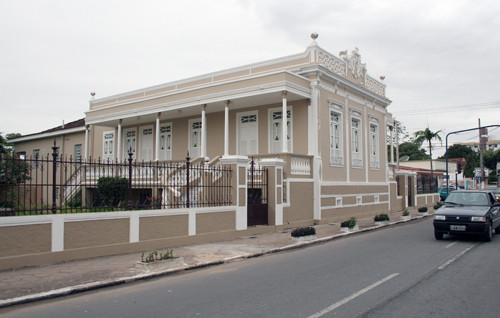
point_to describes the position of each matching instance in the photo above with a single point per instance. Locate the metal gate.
(257, 196)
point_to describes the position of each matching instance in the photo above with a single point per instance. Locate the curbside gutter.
(66, 291)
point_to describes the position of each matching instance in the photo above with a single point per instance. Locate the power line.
(434, 110)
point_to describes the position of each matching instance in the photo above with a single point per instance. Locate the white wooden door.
(129, 143)
(195, 138)
(165, 142)
(146, 143)
(248, 134)
(108, 146)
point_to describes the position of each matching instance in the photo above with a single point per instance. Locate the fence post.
(187, 180)
(130, 159)
(55, 151)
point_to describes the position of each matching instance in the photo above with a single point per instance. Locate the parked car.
(496, 194)
(468, 212)
(443, 193)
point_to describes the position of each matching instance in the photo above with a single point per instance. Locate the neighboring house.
(488, 145)
(423, 168)
(70, 138)
(322, 114)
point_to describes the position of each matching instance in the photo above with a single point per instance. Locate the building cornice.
(48, 134)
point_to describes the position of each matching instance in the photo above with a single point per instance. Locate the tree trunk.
(432, 170)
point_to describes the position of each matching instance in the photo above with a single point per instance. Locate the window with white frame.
(336, 141)
(374, 151)
(108, 146)
(276, 130)
(356, 150)
(78, 152)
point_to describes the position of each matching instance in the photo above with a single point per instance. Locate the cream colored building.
(329, 152)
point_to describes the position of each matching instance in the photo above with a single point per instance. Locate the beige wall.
(163, 227)
(347, 172)
(95, 233)
(25, 239)
(301, 203)
(66, 144)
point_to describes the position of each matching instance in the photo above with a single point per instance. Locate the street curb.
(66, 291)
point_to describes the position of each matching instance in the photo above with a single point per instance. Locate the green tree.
(413, 151)
(458, 151)
(491, 158)
(472, 162)
(427, 134)
(3, 145)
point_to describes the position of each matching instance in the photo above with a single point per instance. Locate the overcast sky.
(440, 58)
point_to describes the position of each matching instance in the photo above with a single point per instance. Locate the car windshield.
(468, 198)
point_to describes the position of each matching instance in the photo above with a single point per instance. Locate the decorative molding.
(375, 86)
(332, 63)
(353, 62)
(335, 105)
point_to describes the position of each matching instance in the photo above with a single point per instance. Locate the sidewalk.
(49, 281)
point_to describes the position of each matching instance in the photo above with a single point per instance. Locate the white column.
(284, 141)
(366, 127)
(203, 151)
(391, 128)
(87, 142)
(119, 142)
(157, 141)
(226, 129)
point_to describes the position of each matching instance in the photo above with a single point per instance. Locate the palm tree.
(427, 134)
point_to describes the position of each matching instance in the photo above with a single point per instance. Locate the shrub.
(303, 231)
(112, 190)
(351, 223)
(381, 217)
(406, 212)
(422, 209)
(436, 207)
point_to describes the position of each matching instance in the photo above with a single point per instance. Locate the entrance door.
(247, 133)
(166, 142)
(108, 146)
(195, 138)
(257, 212)
(276, 130)
(146, 143)
(129, 143)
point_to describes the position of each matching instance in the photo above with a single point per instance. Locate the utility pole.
(482, 137)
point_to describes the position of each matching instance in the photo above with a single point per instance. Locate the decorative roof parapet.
(332, 63)
(374, 85)
(350, 62)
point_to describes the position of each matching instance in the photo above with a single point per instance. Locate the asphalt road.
(400, 271)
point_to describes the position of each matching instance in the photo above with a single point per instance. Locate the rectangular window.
(276, 130)
(78, 152)
(36, 156)
(357, 156)
(108, 146)
(336, 141)
(374, 157)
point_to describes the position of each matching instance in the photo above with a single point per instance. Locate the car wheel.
(489, 234)
(438, 235)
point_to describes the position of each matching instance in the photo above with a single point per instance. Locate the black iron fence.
(51, 185)
(426, 184)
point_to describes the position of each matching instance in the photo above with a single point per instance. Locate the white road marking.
(451, 244)
(451, 260)
(353, 296)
